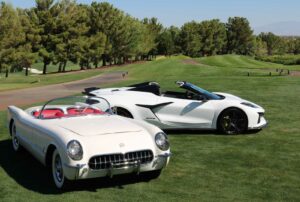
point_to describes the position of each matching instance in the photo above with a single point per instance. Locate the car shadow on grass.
(32, 175)
(205, 132)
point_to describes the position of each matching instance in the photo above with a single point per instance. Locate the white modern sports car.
(190, 108)
(78, 138)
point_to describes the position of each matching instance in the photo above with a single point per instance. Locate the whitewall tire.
(14, 138)
(57, 171)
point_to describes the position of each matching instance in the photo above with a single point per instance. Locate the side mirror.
(202, 97)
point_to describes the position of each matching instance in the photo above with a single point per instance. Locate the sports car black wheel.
(232, 121)
(123, 112)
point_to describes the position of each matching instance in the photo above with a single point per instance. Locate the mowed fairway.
(204, 166)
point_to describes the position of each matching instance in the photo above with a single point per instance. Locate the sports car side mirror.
(201, 97)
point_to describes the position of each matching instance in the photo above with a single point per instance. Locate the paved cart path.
(40, 94)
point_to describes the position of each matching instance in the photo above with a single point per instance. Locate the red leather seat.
(75, 111)
(49, 113)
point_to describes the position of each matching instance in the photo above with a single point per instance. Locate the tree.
(297, 46)
(26, 56)
(272, 41)
(213, 37)
(45, 12)
(240, 39)
(11, 35)
(190, 39)
(154, 29)
(169, 41)
(70, 24)
(103, 18)
(260, 47)
(166, 44)
(97, 47)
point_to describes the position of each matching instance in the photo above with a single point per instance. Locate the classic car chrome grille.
(120, 160)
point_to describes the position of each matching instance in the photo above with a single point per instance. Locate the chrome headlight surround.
(161, 141)
(74, 150)
(248, 104)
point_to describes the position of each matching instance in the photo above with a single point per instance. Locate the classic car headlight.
(249, 104)
(162, 141)
(74, 150)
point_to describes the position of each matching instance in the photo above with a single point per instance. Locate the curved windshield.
(73, 107)
(209, 95)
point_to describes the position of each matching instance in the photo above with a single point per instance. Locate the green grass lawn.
(238, 61)
(205, 167)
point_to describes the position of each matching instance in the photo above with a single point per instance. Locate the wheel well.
(125, 110)
(218, 120)
(10, 126)
(50, 150)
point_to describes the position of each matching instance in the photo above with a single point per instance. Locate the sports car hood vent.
(96, 125)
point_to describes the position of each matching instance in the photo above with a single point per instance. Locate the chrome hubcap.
(16, 142)
(58, 169)
(14, 138)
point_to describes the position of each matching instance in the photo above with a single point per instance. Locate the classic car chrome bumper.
(83, 171)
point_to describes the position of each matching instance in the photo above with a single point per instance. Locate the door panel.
(23, 132)
(183, 113)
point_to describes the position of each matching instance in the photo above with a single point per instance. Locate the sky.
(177, 12)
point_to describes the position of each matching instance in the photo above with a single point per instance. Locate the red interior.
(58, 113)
(49, 113)
(74, 111)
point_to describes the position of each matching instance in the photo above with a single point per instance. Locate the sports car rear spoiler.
(87, 91)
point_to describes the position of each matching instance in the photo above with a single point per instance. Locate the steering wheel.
(189, 95)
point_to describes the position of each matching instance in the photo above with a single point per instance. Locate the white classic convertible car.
(78, 138)
(190, 108)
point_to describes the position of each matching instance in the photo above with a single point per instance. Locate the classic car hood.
(97, 125)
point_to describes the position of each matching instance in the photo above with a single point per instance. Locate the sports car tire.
(123, 112)
(14, 138)
(57, 171)
(232, 121)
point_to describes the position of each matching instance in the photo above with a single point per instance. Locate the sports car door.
(184, 113)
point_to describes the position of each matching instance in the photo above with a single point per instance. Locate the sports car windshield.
(73, 107)
(199, 90)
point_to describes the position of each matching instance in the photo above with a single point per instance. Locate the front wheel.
(232, 121)
(57, 171)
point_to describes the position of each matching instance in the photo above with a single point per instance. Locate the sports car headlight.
(249, 104)
(74, 150)
(162, 141)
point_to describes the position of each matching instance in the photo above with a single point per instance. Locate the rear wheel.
(232, 121)
(123, 112)
(15, 139)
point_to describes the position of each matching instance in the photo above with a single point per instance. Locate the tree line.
(100, 34)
